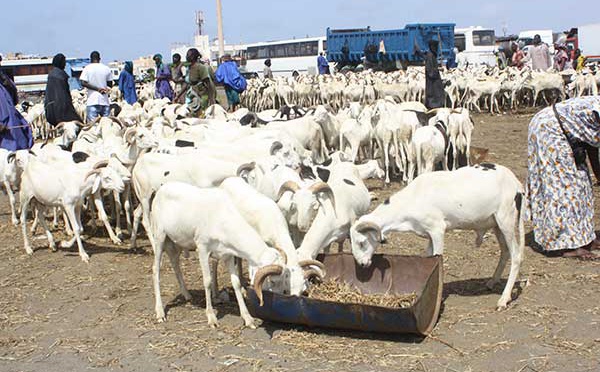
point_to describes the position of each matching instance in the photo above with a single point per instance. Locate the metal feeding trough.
(392, 274)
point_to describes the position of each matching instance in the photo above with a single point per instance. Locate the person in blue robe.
(15, 132)
(322, 64)
(127, 83)
(228, 74)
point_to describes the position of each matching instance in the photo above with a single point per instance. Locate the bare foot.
(581, 254)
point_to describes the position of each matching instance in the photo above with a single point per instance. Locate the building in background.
(201, 41)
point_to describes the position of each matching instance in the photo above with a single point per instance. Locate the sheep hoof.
(250, 322)
(212, 320)
(501, 307)
(117, 241)
(15, 221)
(29, 251)
(85, 258)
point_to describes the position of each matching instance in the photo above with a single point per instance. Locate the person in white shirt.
(97, 78)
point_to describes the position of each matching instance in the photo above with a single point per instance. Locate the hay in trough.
(333, 290)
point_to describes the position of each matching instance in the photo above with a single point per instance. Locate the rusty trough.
(391, 274)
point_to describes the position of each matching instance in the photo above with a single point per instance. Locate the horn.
(128, 133)
(432, 111)
(260, 277)
(312, 273)
(100, 164)
(117, 121)
(282, 253)
(122, 161)
(11, 157)
(245, 168)
(323, 187)
(59, 125)
(276, 146)
(369, 226)
(92, 172)
(287, 186)
(307, 263)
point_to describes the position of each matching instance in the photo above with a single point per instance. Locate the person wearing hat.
(58, 103)
(561, 58)
(540, 55)
(163, 76)
(267, 72)
(127, 83)
(434, 89)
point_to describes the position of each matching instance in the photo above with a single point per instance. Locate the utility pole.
(220, 29)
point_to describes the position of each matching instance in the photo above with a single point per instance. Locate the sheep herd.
(275, 183)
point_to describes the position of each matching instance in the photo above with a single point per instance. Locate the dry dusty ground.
(60, 314)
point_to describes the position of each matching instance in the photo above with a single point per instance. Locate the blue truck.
(388, 49)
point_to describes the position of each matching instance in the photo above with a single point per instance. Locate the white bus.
(286, 56)
(477, 45)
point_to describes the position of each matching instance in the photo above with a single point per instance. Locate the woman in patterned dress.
(559, 188)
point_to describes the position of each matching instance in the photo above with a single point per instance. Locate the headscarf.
(59, 61)
(159, 56)
(433, 46)
(192, 55)
(128, 67)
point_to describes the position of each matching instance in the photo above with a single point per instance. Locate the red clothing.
(517, 59)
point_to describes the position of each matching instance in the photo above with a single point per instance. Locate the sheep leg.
(203, 257)
(51, 243)
(158, 248)
(436, 243)
(504, 255)
(214, 289)
(72, 215)
(117, 211)
(174, 254)
(24, 205)
(11, 200)
(237, 288)
(516, 257)
(104, 218)
(137, 214)
(35, 223)
(54, 218)
(127, 206)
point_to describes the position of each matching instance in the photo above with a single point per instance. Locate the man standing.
(163, 75)
(434, 89)
(57, 100)
(322, 65)
(177, 76)
(267, 72)
(96, 77)
(540, 55)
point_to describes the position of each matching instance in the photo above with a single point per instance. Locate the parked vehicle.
(477, 44)
(286, 56)
(388, 48)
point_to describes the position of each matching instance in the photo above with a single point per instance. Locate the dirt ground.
(60, 314)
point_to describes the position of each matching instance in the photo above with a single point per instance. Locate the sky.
(125, 29)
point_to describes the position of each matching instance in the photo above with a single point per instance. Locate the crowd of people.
(539, 57)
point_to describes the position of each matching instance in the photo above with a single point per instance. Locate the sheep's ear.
(96, 185)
